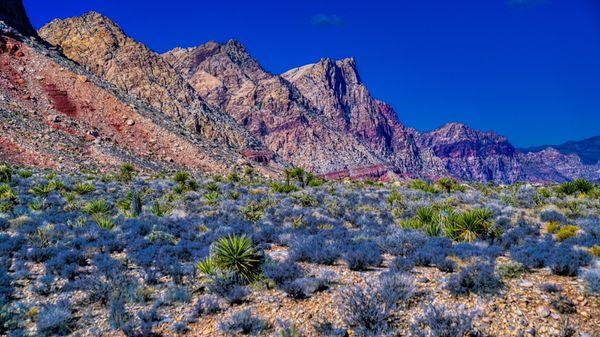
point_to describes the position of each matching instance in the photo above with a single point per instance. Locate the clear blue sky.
(528, 69)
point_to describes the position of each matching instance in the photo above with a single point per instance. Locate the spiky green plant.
(97, 206)
(471, 225)
(104, 221)
(283, 188)
(42, 190)
(419, 184)
(449, 185)
(161, 209)
(212, 187)
(181, 177)
(395, 199)
(36, 205)
(212, 198)
(236, 254)
(127, 172)
(84, 188)
(5, 173)
(207, 266)
(25, 174)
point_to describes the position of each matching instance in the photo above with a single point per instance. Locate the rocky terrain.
(106, 98)
(588, 150)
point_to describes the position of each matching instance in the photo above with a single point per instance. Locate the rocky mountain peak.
(12, 13)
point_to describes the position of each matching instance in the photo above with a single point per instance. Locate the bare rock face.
(336, 90)
(550, 165)
(103, 48)
(470, 154)
(54, 113)
(270, 107)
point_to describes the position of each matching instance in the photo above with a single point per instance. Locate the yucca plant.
(471, 225)
(6, 192)
(25, 174)
(104, 221)
(5, 173)
(207, 266)
(212, 198)
(36, 205)
(212, 187)
(97, 206)
(84, 188)
(395, 199)
(236, 254)
(42, 190)
(127, 172)
(181, 177)
(131, 204)
(161, 208)
(282, 188)
(449, 185)
(419, 184)
(427, 214)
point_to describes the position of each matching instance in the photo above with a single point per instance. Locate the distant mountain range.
(81, 93)
(587, 149)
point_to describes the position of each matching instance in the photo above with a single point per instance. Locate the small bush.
(595, 250)
(243, 323)
(443, 321)
(477, 278)
(551, 288)
(83, 188)
(553, 227)
(592, 280)
(54, 319)
(394, 288)
(304, 250)
(510, 270)
(282, 272)
(550, 214)
(228, 286)
(5, 173)
(566, 232)
(126, 172)
(363, 255)
(362, 310)
(302, 288)
(566, 260)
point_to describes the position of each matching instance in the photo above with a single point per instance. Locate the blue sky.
(528, 69)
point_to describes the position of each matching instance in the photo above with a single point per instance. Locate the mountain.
(226, 76)
(587, 149)
(55, 113)
(80, 93)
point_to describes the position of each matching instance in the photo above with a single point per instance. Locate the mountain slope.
(227, 76)
(587, 149)
(102, 47)
(54, 113)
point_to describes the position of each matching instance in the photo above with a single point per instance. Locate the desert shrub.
(363, 255)
(84, 188)
(303, 249)
(282, 272)
(243, 323)
(181, 177)
(533, 253)
(395, 288)
(161, 208)
(288, 329)
(362, 310)
(283, 188)
(55, 319)
(566, 260)
(595, 250)
(6, 173)
(550, 214)
(517, 235)
(592, 280)
(42, 190)
(402, 264)
(510, 270)
(401, 242)
(302, 288)
(228, 286)
(434, 251)
(254, 211)
(566, 232)
(446, 265)
(476, 278)
(443, 321)
(552, 227)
